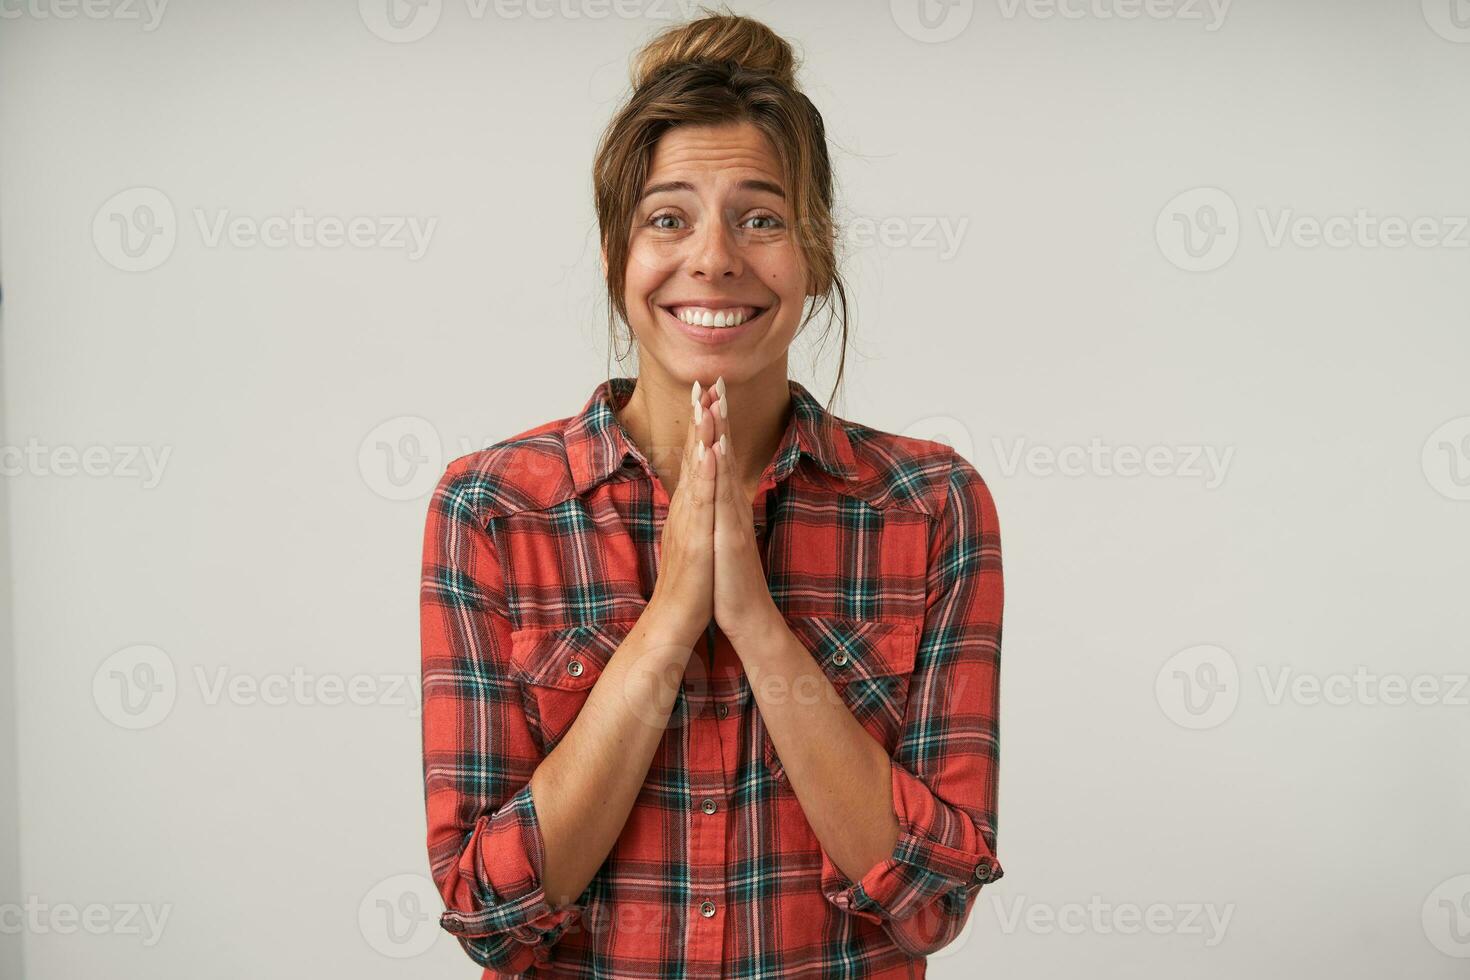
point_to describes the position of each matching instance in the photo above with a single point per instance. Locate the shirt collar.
(597, 444)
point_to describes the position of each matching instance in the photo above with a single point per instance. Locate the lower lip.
(714, 336)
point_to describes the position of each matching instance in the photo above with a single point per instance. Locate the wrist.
(760, 633)
(663, 628)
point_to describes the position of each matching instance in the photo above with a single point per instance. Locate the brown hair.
(720, 68)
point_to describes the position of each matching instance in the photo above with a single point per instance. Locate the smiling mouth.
(715, 318)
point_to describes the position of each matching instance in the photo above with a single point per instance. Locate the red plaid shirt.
(540, 552)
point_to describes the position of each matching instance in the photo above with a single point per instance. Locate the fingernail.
(724, 410)
(699, 451)
(720, 446)
(724, 444)
(694, 400)
(720, 386)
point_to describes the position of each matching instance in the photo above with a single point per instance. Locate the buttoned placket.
(712, 752)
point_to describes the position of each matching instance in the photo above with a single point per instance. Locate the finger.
(702, 489)
(689, 452)
(727, 480)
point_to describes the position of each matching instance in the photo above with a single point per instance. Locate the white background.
(308, 396)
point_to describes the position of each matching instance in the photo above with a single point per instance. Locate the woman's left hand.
(742, 600)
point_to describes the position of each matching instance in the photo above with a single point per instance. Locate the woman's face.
(715, 285)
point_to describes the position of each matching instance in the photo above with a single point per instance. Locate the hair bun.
(717, 37)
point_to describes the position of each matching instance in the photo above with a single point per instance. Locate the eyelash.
(668, 214)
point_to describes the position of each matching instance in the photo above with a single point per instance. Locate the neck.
(658, 412)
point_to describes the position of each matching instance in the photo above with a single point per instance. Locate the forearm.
(586, 786)
(840, 774)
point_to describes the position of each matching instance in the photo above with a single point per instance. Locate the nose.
(715, 252)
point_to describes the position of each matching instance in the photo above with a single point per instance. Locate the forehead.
(714, 154)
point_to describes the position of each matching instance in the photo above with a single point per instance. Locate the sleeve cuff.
(940, 854)
(510, 908)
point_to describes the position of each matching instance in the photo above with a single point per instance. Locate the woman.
(710, 674)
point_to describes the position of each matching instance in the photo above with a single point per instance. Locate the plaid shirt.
(883, 554)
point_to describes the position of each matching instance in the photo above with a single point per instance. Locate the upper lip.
(710, 303)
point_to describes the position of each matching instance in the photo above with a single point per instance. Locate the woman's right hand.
(682, 603)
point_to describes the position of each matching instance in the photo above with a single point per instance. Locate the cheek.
(648, 266)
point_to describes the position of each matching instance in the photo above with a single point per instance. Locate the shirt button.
(840, 658)
(983, 871)
(707, 909)
(722, 710)
(708, 806)
(575, 668)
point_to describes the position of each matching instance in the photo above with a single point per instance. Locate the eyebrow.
(684, 185)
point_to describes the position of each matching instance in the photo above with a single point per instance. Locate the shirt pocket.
(556, 668)
(869, 665)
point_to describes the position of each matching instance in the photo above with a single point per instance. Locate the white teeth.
(699, 317)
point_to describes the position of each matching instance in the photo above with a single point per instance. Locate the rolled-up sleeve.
(945, 767)
(486, 851)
